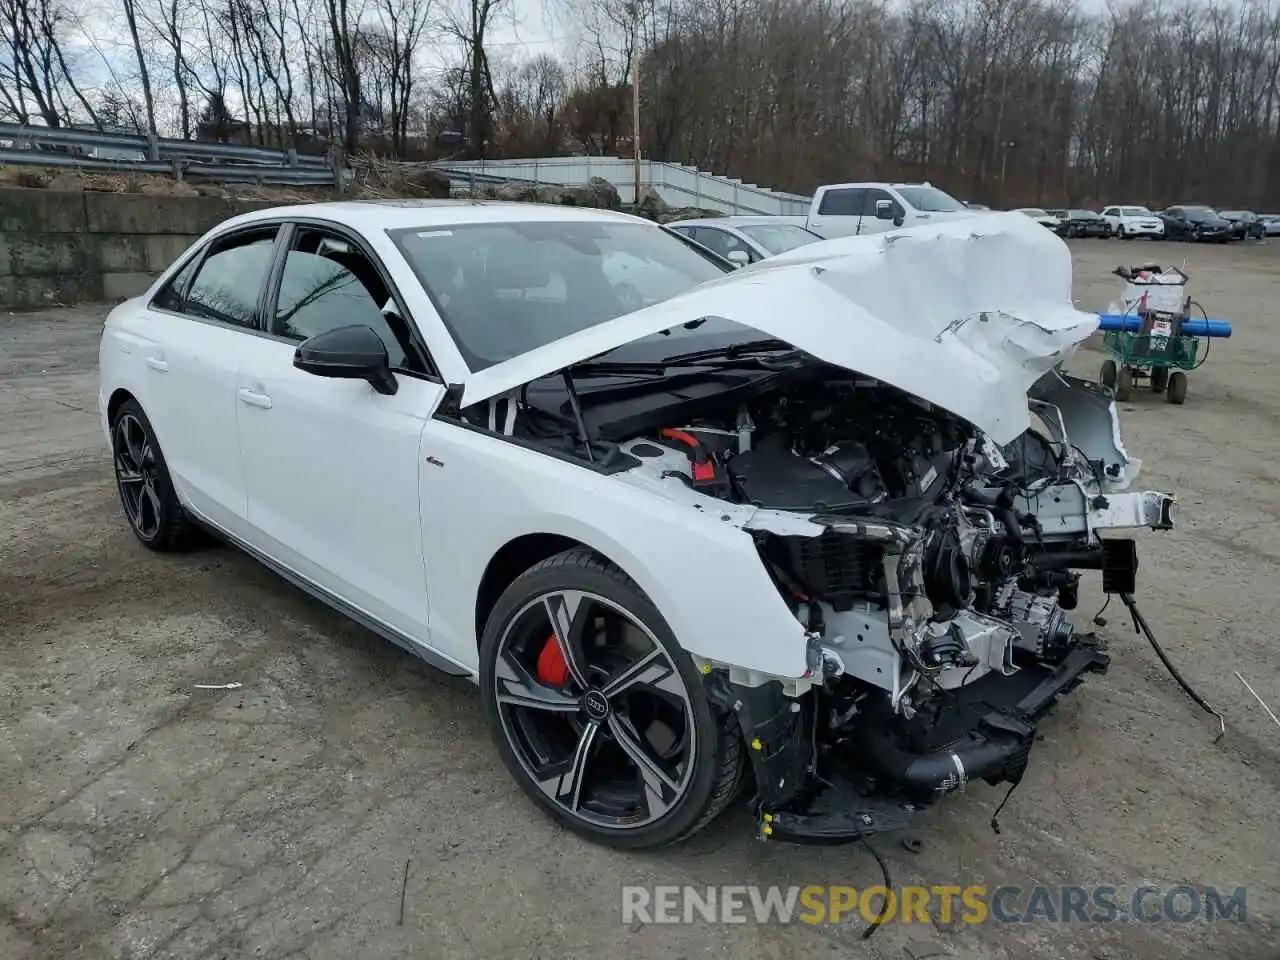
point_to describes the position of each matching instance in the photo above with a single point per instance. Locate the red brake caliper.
(553, 670)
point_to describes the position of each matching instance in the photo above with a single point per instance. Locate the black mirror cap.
(354, 352)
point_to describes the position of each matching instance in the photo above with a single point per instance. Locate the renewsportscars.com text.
(917, 904)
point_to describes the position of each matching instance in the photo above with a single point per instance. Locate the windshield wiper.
(756, 353)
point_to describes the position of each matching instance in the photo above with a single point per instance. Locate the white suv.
(1129, 222)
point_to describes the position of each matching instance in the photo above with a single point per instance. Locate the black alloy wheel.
(597, 712)
(146, 492)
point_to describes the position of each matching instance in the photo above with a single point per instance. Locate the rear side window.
(842, 203)
(227, 286)
(170, 295)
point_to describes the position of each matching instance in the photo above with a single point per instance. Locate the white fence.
(677, 184)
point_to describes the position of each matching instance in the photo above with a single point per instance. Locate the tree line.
(1002, 101)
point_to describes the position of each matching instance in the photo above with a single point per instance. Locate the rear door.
(199, 325)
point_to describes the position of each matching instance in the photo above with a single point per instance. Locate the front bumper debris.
(868, 788)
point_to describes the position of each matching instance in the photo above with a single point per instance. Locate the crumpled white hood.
(966, 314)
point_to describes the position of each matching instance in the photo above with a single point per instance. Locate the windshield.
(779, 237)
(1236, 214)
(1083, 215)
(504, 289)
(1136, 212)
(930, 199)
(1034, 212)
(1199, 213)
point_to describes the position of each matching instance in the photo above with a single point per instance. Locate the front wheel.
(1177, 390)
(598, 713)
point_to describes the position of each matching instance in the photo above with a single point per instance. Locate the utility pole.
(635, 97)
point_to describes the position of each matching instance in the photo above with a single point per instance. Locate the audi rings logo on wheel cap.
(596, 705)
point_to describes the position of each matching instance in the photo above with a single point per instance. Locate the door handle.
(155, 363)
(255, 399)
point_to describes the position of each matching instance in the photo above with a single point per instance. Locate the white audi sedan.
(693, 532)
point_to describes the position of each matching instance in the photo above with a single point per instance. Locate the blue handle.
(1191, 326)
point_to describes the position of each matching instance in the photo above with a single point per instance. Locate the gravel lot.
(141, 817)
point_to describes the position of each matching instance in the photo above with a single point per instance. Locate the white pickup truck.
(848, 209)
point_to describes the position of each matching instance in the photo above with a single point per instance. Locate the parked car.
(1042, 217)
(716, 530)
(1270, 224)
(1082, 223)
(744, 240)
(847, 209)
(1130, 221)
(1246, 224)
(1195, 222)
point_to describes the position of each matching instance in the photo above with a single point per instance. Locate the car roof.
(740, 221)
(371, 215)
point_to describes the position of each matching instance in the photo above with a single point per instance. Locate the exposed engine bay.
(932, 571)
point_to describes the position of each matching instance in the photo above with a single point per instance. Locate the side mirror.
(740, 257)
(355, 352)
(884, 210)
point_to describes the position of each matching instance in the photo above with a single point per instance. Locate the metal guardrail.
(182, 159)
(229, 173)
(158, 148)
(678, 184)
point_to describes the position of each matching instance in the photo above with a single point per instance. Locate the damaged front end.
(936, 607)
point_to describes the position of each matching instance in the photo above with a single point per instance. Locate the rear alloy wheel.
(146, 492)
(598, 713)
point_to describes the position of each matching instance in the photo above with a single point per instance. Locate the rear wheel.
(1159, 379)
(1124, 384)
(596, 711)
(1107, 376)
(1177, 390)
(142, 477)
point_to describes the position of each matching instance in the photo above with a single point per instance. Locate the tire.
(528, 716)
(147, 497)
(1177, 389)
(1124, 384)
(1121, 234)
(1107, 376)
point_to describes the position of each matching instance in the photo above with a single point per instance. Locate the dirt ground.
(142, 817)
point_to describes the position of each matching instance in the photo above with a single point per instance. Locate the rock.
(597, 192)
(428, 182)
(527, 193)
(686, 213)
(650, 204)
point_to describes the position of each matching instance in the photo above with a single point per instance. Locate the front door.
(331, 465)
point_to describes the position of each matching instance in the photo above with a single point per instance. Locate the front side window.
(722, 242)
(780, 237)
(230, 278)
(505, 288)
(930, 199)
(327, 283)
